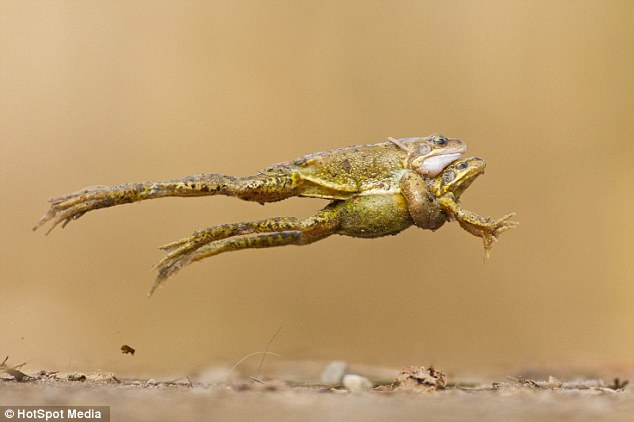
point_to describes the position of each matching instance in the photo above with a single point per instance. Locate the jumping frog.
(336, 174)
(376, 190)
(425, 203)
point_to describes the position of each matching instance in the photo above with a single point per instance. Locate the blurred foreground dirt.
(517, 399)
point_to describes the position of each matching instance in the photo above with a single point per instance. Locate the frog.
(336, 174)
(424, 203)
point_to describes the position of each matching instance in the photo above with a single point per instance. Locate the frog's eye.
(440, 140)
(461, 166)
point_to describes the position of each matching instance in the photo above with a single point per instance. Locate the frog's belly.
(373, 216)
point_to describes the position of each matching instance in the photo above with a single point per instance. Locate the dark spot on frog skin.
(204, 188)
(300, 161)
(346, 166)
(448, 176)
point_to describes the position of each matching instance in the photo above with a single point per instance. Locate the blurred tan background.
(110, 92)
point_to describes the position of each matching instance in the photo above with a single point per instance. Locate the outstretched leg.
(272, 232)
(276, 184)
(486, 228)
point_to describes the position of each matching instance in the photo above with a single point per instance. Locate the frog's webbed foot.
(215, 240)
(70, 207)
(486, 228)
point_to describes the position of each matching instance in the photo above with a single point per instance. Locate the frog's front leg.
(276, 184)
(270, 232)
(486, 228)
(421, 204)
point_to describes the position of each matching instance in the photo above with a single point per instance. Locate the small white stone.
(151, 381)
(333, 372)
(356, 383)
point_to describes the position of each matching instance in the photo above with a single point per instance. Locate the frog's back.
(350, 171)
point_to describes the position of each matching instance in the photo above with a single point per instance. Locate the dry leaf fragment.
(127, 349)
(418, 378)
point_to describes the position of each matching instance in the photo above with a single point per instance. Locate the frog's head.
(430, 155)
(458, 176)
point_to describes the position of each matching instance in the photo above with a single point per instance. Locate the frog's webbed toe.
(486, 228)
(71, 206)
(167, 268)
(180, 252)
(491, 232)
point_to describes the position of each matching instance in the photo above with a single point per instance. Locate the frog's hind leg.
(179, 251)
(266, 233)
(276, 184)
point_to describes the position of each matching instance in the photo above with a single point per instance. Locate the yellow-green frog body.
(376, 190)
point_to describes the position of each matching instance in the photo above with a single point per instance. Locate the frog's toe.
(500, 226)
(58, 216)
(44, 219)
(505, 223)
(166, 270)
(72, 206)
(171, 247)
(170, 265)
(172, 258)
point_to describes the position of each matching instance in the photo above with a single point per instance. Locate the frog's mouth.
(435, 164)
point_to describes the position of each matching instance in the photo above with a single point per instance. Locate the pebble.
(333, 372)
(356, 383)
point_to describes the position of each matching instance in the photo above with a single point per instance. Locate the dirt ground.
(189, 399)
